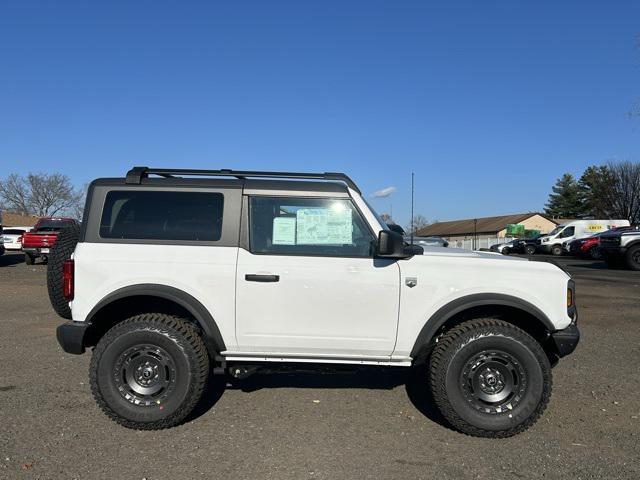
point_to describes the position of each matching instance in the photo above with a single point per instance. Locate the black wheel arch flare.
(443, 314)
(213, 338)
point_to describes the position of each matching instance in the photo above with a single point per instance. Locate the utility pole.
(475, 233)
(413, 224)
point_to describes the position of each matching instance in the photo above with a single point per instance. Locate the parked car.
(421, 241)
(621, 247)
(517, 245)
(552, 243)
(12, 237)
(427, 241)
(504, 248)
(588, 247)
(2, 242)
(173, 279)
(38, 242)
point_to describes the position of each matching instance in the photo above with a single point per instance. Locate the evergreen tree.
(566, 200)
(596, 184)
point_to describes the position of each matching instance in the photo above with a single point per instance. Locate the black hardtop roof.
(249, 184)
(138, 175)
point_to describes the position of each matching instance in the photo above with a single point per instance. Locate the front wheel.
(149, 371)
(530, 249)
(490, 378)
(556, 250)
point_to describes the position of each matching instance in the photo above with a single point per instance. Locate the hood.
(460, 253)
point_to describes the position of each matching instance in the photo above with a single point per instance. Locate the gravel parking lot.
(355, 424)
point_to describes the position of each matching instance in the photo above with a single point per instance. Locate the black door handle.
(253, 277)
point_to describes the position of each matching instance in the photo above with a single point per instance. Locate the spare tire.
(66, 242)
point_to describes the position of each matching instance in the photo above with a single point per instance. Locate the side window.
(568, 232)
(162, 215)
(307, 226)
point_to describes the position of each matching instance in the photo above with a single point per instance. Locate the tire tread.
(440, 358)
(181, 331)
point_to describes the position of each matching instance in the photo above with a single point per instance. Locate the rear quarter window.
(162, 215)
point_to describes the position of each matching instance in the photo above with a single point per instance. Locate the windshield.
(382, 223)
(53, 225)
(556, 230)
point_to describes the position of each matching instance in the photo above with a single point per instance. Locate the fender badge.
(411, 282)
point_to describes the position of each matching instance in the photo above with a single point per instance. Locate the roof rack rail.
(136, 174)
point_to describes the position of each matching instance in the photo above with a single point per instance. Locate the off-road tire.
(174, 336)
(28, 259)
(529, 249)
(66, 242)
(461, 345)
(632, 258)
(556, 250)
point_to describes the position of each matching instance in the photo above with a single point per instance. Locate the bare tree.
(41, 194)
(417, 223)
(623, 196)
(386, 218)
(14, 192)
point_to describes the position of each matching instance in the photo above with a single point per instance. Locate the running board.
(230, 357)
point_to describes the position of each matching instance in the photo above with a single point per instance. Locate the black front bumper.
(71, 336)
(566, 341)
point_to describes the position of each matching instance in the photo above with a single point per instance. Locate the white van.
(552, 243)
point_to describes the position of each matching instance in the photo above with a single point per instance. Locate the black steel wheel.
(145, 375)
(493, 381)
(149, 371)
(530, 249)
(489, 378)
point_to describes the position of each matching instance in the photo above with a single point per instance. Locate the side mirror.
(390, 244)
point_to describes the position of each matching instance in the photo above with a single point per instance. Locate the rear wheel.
(556, 250)
(490, 378)
(595, 253)
(632, 257)
(149, 371)
(29, 259)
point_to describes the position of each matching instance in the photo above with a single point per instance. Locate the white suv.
(171, 279)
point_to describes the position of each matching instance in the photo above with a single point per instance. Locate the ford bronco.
(176, 275)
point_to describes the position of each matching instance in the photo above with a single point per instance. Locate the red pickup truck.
(38, 242)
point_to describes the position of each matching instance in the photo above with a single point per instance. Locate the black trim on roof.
(136, 174)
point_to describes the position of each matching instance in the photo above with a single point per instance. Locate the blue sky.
(488, 102)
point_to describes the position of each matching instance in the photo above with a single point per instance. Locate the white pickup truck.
(179, 274)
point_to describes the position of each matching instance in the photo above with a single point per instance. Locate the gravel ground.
(361, 424)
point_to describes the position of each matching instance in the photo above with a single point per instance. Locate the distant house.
(487, 227)
(17, 220)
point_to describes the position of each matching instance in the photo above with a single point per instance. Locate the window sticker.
(284, 231)
(324, 226)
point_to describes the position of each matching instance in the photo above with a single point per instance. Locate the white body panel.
(446, 274)
(206, 273)
(320, 305)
